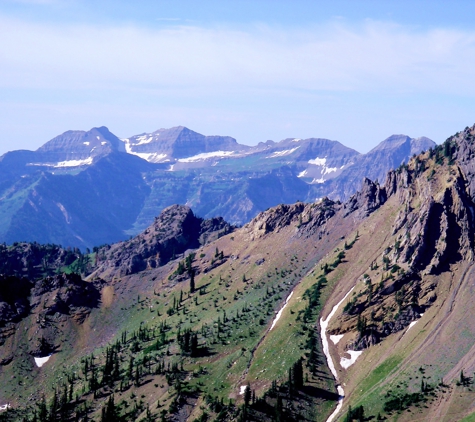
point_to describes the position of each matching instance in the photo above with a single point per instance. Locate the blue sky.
(352, 71)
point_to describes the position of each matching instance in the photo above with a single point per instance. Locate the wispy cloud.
(336, 57)
(168, 19)
(357, 83)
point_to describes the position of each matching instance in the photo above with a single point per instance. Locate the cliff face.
(432, 230)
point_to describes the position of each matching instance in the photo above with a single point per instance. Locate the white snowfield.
(5, 407)
(323, 326)
(41, 361)
(345, 362)
(336, 338)
(206, 155)
(322, 162)
(151, 157)
(144, 139)
(283, 153)
(326, 350)
(62, 164)
(242, 389)
(279, 314)
(321, 180)
(341, 396)
(318, 161)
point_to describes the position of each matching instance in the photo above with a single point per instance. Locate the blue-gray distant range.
(84, 189)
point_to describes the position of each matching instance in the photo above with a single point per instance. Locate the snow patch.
(336, 338)
(41, 361)
(205, 156)
(103, 143)
(144, 139)
(86, 143)
(323, 326)
(302, 173)
(354, 354)
(413, 323)
(70, 163)
(341, 396)
(326, 351)
(321, 180)
(5, 407)
(151, 157)
(318, 161)
(279, 314)
(328, 170)
(73, 163)
(64, 211)
(242, 389)
(283, 153)
(296, 140)
(98, 138)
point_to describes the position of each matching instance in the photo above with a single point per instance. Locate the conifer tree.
(192, 281)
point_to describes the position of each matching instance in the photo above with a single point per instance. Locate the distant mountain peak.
(168, 145)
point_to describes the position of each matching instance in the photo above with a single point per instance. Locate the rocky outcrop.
(14, 299)
(367, 200)
(306, 217)
(372, 336)
(433, 229)
(66, 294)
(34, 261)
(173, 232)
(51, 297)
(464, 145)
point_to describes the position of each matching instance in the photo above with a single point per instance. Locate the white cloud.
(354, 83)
(334, 57)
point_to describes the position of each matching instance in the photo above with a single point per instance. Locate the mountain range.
(325, 311)
(83, 189)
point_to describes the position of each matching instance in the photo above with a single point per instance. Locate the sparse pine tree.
(192, 281)
(247, 395)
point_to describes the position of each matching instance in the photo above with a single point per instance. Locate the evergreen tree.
(109, 412)
(279, 410)
(247, 395)
(42, 411)
(192, 281)
(297, 374)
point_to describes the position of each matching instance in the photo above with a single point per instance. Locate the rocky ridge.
(173, 232)
(433, 230)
